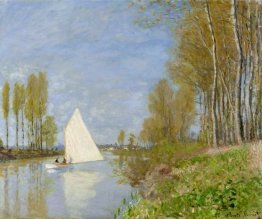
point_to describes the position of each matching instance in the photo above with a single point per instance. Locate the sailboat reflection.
(79, 188)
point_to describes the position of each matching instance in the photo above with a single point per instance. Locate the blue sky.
(96, 59)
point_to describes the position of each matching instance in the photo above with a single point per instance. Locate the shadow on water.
(79, 191)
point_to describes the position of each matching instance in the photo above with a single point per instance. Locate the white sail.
(79, 145)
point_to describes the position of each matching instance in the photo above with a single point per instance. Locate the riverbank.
(197, 183)
(14, 154)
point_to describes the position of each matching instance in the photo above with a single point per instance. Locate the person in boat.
(56, 160)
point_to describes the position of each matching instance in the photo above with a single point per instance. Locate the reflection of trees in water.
(6, 192)
(16, 192)
(36, 195)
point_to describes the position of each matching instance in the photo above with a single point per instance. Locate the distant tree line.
(29, 105)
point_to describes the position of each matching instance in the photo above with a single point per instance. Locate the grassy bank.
(194, 184)
(27, 154)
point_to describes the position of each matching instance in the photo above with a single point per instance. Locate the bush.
(139, 162)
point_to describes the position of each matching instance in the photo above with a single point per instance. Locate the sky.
(95, 56)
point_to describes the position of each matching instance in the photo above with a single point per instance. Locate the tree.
(149, 134)
(49, 129)
(217, 55)
(172, 114)
(214, 83)
(42, 101)
(121, 137)
(184, 112)
(31, 108)
(16, 106)
(5, 107)
(22, 108)
(162, 108)
(238, 73)
(131, 139)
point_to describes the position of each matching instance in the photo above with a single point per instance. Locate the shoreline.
(165, 186)
(20, 154)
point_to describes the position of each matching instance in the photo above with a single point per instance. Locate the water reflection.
(23, 191)
(86, 190)
(78, 190)
(37, 192)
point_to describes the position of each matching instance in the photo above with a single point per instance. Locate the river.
(87, 190)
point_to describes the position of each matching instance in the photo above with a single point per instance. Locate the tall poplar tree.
(5, 107)
(16, 106)
(30, 108)
(42, 101)
(22, 107)
(121, 137)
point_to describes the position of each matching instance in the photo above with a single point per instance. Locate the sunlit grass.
(204, 186)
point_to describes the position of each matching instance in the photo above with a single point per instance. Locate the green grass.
(204, 186)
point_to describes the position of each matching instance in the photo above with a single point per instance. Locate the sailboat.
(79, 144)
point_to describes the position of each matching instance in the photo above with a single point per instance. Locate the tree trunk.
(244, 110)
(23, 130)
(17, 120)
(32, 134)
(6, 124)
(252, 76)
(28, 136)
(238, 75)
(36, 135)
(214, 83)
(41, 134)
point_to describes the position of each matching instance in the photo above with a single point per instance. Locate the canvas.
(130, 109)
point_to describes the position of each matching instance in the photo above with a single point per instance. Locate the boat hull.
(55, 165)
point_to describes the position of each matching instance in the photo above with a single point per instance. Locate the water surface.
(87, 190)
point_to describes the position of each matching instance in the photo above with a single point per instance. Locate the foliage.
(18, 101)
(30, 104)
(28, 153)
(49, 131)
(155, 12)
(36, 108)
(5, 100)
(5, 107)
(217, 57)
(172, 114)
(134, 164)
(42, 102)
(22, 95)
(126, 205)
